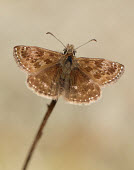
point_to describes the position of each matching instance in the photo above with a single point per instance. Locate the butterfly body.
(51, 74)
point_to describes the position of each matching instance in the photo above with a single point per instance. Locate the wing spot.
(24, 67)
(88, 69)
(45, 85)
(75, 87)
(15, 50)
(29, 82)
(37, 65)
(97, 76)
(122, 68)
(47, 61)
(25, 48)
(33, 86)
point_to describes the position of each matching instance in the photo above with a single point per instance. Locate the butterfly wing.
(100, 70)
(81, 89)
(34, 59)
(46, 82)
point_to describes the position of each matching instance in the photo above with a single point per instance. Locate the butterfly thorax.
(68, 59)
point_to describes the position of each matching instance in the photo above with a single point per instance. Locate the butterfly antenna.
(86, 43)
(56, 38)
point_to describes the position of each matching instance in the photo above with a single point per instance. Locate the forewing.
(100, 70)
(46, 82)
(33, 59)
(82, 89)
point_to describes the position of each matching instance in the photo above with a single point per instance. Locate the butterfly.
(52, 74)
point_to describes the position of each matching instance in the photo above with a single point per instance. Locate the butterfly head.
(69, 49)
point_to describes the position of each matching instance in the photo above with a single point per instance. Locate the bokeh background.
(97, 137)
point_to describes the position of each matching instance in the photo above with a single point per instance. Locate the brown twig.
(39, 133)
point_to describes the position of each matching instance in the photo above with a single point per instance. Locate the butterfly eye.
(65, 51)
(74, 52)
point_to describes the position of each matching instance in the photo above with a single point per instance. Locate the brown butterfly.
(51, 74)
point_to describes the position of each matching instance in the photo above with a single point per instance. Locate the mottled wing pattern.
(82, 89)
(33, 59)
(46, 82)
(100, 70)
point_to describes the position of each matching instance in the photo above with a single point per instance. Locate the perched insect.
(51, 74)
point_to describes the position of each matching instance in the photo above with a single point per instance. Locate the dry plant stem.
(39, 133)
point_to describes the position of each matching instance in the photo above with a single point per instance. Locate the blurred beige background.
(96, 137)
